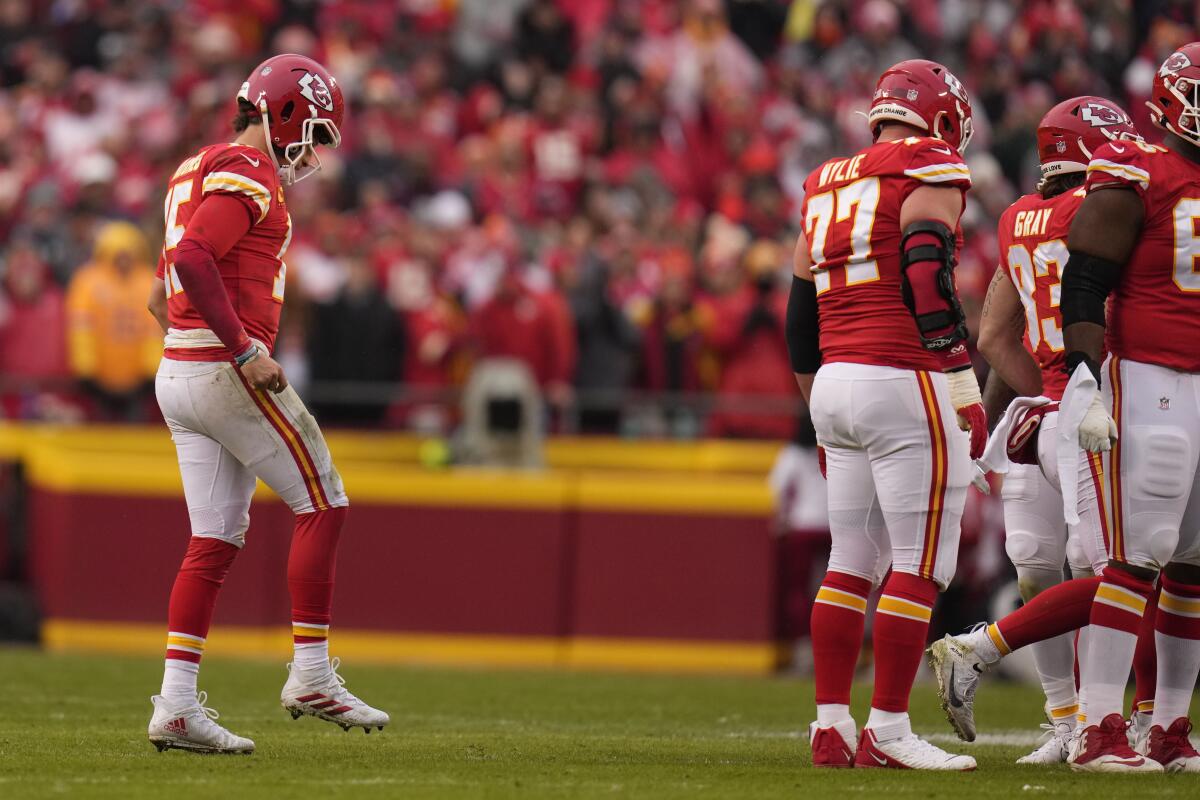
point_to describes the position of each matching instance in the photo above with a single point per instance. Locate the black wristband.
(1077, 357)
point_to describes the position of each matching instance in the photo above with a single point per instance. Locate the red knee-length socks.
(193, 599)
(837, 620)
(311, 565)
(901, 626)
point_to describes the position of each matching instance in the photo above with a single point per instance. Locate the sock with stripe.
(1054, 657)
(1177, 634)
(837, 621)
(1115, 619)
(1145, 660)
(1060, 609)
(901, 626)
(189, 614)
(311, 563)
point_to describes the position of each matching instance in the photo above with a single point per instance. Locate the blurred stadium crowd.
(603, 189)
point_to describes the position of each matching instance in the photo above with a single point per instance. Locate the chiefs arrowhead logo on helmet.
(314, 88)
(1099, 115)
(1174, 63)
(956, 87)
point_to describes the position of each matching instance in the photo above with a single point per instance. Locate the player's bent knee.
(1162, 544)
(1029, 551)
(228, 524)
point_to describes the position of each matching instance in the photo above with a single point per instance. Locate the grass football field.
(75, 726)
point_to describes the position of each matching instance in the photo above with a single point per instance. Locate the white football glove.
(1097, 431)
(980, 481)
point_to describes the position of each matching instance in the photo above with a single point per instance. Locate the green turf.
(75, 727)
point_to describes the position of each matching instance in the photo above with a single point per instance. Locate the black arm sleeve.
(803, 340)
(1086, 283)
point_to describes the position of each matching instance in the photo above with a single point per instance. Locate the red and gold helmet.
(925, 95)
(301, 106)
(1175, 102)
(1072, 130)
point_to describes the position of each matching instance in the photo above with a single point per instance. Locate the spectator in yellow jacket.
(114, 345)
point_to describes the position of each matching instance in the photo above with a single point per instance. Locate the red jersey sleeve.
(161, 271)
(934, 162)
(241, 172)
(1120, 164)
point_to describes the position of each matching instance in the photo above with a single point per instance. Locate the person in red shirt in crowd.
(33, 332)
(518, 322)
(435, 331)
(747, 337)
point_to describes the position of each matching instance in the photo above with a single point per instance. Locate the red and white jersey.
(1033, 248)
(851, 214)
(252, 271)
(1154, 313)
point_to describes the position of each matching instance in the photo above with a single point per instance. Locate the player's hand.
(821, 462)
(968, 405)
(265, 374)
(1097, 431)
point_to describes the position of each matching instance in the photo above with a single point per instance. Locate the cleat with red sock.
(1105, 748)
(833, 746)
(1171, 747)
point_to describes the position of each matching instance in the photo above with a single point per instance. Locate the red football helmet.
(301, 106)
(926, 95)
(1072, 130)
(1175, 101)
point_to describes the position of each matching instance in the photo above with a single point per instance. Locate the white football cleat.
(191, 726)
(957, 670)
(325, 697)
(1057, 746)
(907, 752)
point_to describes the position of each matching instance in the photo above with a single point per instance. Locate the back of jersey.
(1033, 248)
(1154, 313)
(253, 270)
(851, 214)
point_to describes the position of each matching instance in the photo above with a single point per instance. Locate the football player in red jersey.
(875, 315)
(1134, 245)
(228, 405)
(1020, 334)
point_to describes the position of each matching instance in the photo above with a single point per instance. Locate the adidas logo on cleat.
(177, 726)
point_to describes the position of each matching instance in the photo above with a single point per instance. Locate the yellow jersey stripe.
(233, 182)
(1125, 171)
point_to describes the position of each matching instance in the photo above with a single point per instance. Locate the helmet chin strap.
(285, 175)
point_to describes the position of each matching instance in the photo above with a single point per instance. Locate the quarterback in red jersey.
(228, 405)
(1020, 334)
(1134, 245)
(878, 343)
